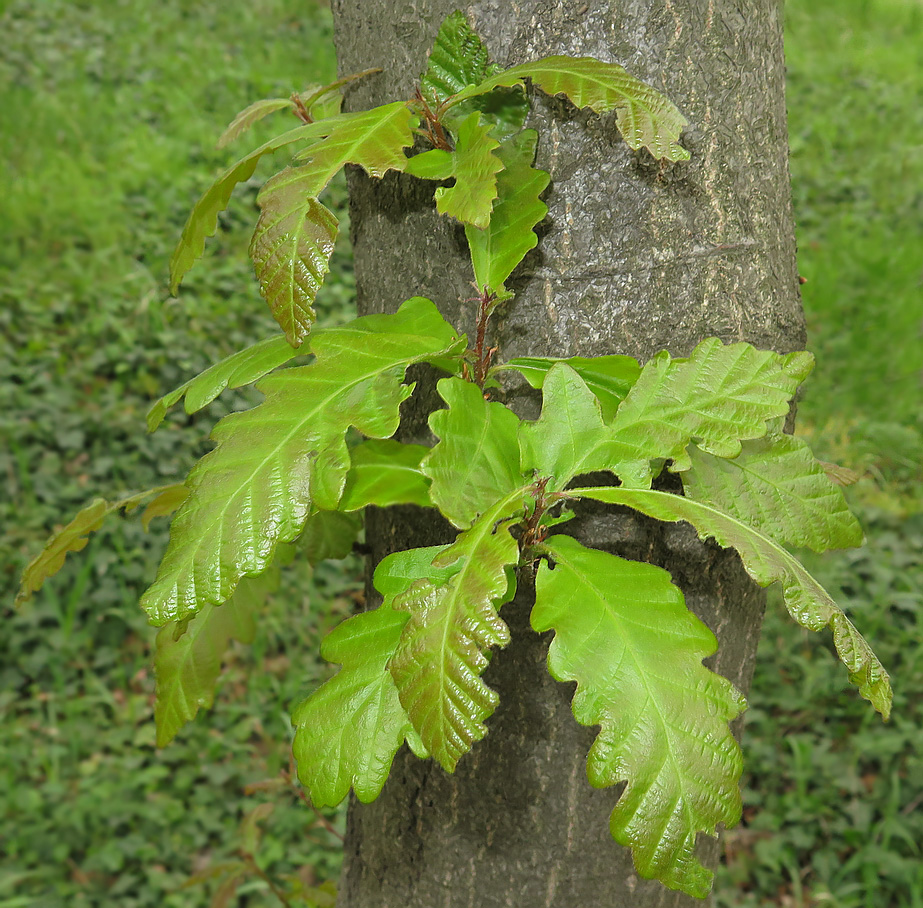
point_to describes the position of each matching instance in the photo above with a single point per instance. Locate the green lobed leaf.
(348, 731)
(476, 460)
(329, 534)
(187, 662)
(645, 118)
(570, 437)
(385, 473)
(777, 487)
(436, 164)
(624, 634)
(503, 243)
(250, 115)
(74, 538)
(203, 220)
(474, 165)
(276, 463)
(459, 59)
(395, 573)
(609, 377)
(235, 371)
(453, 606)
(767, 562)
(374, 139)
(717, 397)
(291, 248)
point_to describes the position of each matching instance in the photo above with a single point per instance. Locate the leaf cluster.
(470, 111)
(288, 478)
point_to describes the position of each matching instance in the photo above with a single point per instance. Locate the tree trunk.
(633, 258)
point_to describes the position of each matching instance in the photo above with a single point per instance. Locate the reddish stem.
(483, 357)
(434, 131)
(533, 531)
(301, 111)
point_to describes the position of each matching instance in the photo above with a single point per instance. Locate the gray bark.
(633, 258)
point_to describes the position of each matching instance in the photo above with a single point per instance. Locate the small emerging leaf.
(250, 115)
(459, 59)
(165, 503)
(476, 460)
(570, 437)
(385, 473)
(767, 562)
(645, 117)
(348, 731)
(503, 243)
(291, 249)
(609, 377)
(777, 487)
(235, 371)
(840, 475)
(624, 634)
(474, 166)
(187, 664)
(453, 606)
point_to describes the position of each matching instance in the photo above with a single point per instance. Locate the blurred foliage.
(855, 77)
(107, 128)
(108, 125)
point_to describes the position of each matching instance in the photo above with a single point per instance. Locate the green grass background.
(108, 119)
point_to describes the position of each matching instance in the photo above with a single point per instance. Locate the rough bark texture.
(633, 258)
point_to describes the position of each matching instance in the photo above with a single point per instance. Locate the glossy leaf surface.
(609, 377)
(645, 118)
(767, 562)
(291, 249)
(348, 731)
(476, 461)
(503, 243)
(277, 462)
(459, 59)
(453, 606)
(717, 397)
(570, 436)
(374, 139)
(385, 473)
(235, 371)
(624, 634)
(777, 487)
(187, 662)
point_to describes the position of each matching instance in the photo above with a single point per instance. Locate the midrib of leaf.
(827, 612)
(641, 673)
(487, 529)
(333, 152)
(297, 429)
(474, 537)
